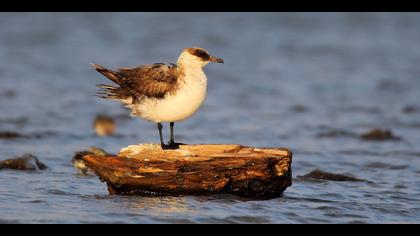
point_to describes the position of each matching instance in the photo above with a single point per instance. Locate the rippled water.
(288, 79)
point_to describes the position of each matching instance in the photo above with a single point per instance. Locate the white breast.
(177, 106)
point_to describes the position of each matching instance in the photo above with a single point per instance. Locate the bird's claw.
(171, 145)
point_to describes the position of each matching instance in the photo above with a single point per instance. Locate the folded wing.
(151, 81)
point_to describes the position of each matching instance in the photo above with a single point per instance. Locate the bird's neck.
(191, 71)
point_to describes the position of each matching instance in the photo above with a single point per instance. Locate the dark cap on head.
(203, 54)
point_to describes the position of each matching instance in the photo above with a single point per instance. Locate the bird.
(161, 92)
(104, 125)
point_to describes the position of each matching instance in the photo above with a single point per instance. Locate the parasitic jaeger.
(161, 92)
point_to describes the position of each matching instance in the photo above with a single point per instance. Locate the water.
(288, 78)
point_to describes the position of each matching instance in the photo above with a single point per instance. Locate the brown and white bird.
(161, 92)
(104, 125)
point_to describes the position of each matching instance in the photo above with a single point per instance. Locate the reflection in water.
(157, 206)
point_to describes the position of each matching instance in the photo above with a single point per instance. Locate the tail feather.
(112, 75)
(110, 92)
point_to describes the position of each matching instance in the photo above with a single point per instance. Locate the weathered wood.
(195, 169)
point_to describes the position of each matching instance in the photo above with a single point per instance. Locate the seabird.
(104, 125)
(161, 92)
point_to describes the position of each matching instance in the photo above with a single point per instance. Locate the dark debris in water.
(374, 134)
(8, 93)
(24, 162)
(43, 134)
(299, 108)
(322, 175)
(9, 135)
(336, 133)
(14, 135)
(379, 135)
(411, 109)
(391, 84)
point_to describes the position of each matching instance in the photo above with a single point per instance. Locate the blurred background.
(317, 83)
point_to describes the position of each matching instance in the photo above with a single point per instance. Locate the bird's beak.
(216, 59)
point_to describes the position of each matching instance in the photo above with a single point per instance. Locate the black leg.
(172, 139)
(159, 125)
(171, 144)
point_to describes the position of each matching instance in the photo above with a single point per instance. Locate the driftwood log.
(148, 170)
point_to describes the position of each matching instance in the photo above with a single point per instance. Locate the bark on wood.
(194, 170)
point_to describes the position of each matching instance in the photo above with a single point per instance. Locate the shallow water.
(288, 79)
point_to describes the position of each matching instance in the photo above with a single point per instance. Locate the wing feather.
(151, 81)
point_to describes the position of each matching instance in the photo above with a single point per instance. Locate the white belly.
(173, 107)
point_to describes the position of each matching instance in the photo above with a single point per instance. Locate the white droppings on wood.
(184, 153)
(137, 149)
(137, 176)
(149, 170)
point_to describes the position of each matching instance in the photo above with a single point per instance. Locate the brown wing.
(153, 81)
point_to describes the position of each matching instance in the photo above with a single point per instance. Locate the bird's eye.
(202, 54)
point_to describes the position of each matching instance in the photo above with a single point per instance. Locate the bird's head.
(197, 57)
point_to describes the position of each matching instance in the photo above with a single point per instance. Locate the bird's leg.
(159, 126)
(171, 144)
(172, 141)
